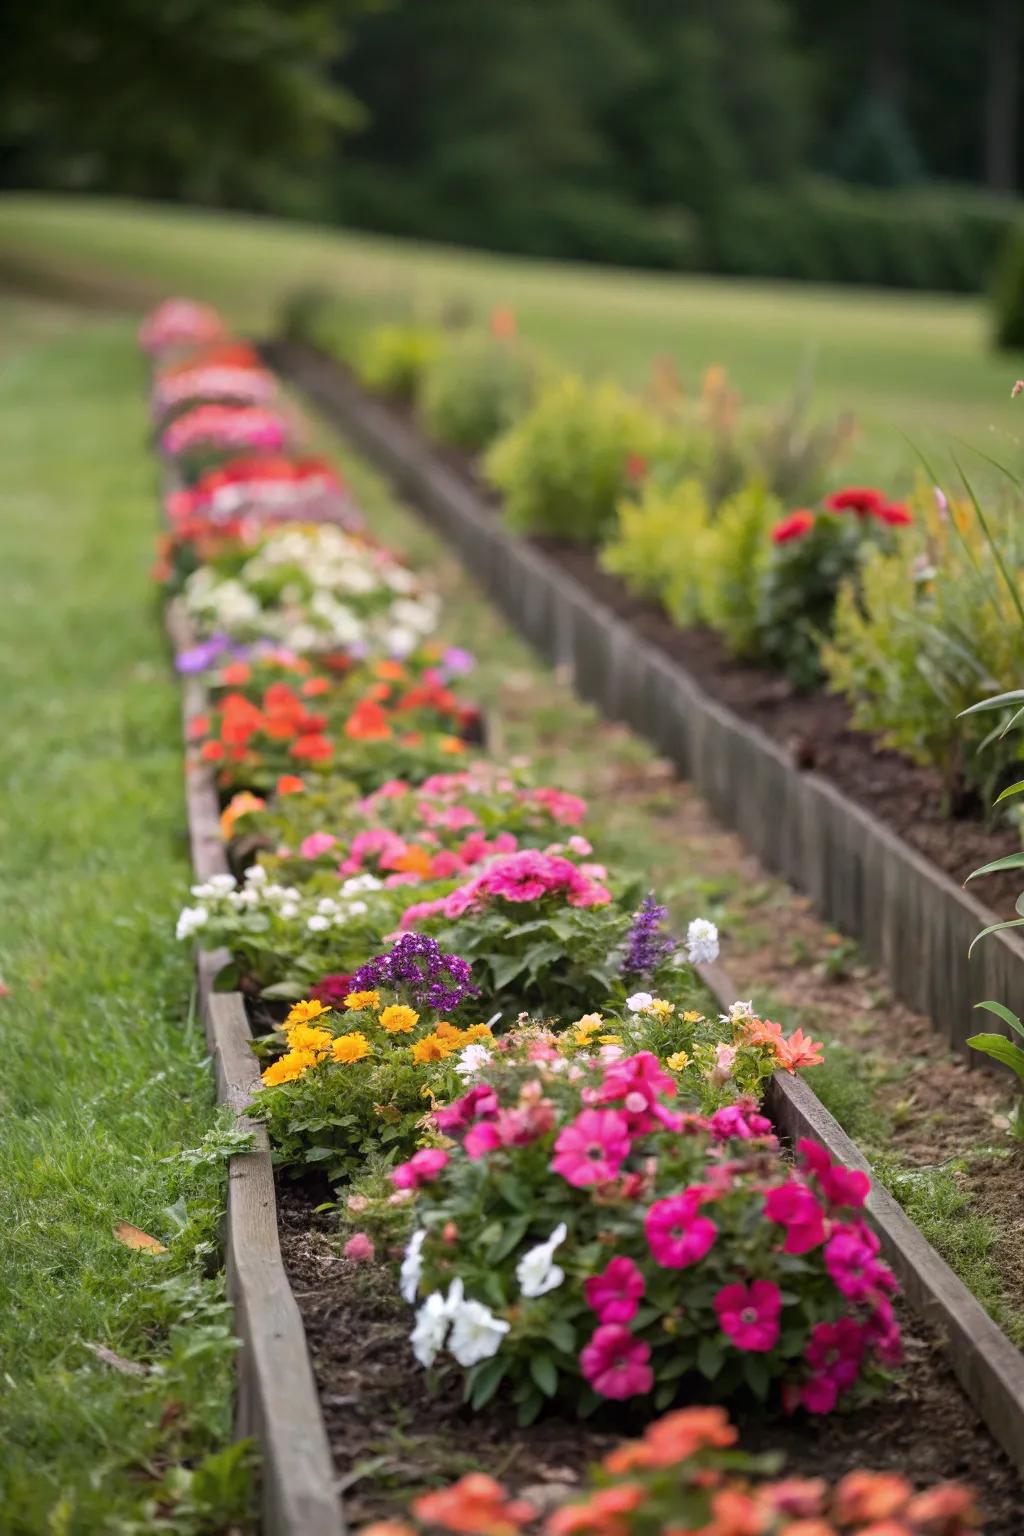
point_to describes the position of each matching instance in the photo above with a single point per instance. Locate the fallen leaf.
(134, 1237)
(119, 1363)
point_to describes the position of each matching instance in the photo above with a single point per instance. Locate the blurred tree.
(173, 98)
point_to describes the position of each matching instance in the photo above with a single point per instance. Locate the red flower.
(896, 514)
(861, 499)
(793, 527)
(312, 749)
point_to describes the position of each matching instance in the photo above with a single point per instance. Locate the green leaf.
(1011, 789)
(1016, 922)
(544, 1373)
(284, 991)
(1009, 861)
(997, 701)
(1002, 1012)
(1000, 1049)
(758, 1376)
(528, 1409)
(664, 1395)
(710, 1358)
(484, 1381)
(506, 968)
(514, 1232)
(562, 1336)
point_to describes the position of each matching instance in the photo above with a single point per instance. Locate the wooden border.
(912, 920)
(278, 1402)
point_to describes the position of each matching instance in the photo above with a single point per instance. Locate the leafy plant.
(392, 359)
(661, 546)
(476, 388)
(1006, 1052)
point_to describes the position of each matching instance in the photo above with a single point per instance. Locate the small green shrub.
(660, 548)
(476, 388)
(1008, 295)
(392, 359)
(565, 465)
(797, 592)
(737, 553)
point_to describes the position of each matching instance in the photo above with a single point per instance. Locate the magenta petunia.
(749, 1314)
(677, 1234)
(794, 1207)
(616, 1364)
(592, 1148)
(615, 1293)
(421, 1168)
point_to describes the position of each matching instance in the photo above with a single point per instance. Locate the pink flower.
(749, 1314)
(481, 1139)
(794, 1207)
(563, 807)
(421, 1168)
(580, 846)
(615, 1364)
(359, 1248)
(850, 1258)
(479, 1102)
(615, 1293)
(741, 1122)
(676, 1235)
(315, 844)
(834, 1354)
(635, 1084)
(592, 1149)
(443, 865)
(839, 1185)
(882, 1332)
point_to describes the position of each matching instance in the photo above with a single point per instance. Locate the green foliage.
(564, 466)
(797, 595)
(1008, 292)
(737, 553)
(660, 548)
(476, 387)
(393, 359)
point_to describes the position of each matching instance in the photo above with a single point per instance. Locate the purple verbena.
(417, 964)
(646, 945)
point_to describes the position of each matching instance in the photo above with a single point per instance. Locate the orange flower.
(826, 1528)
(603, 1512)
(476, 1504)
(735, 1514)
(313, 687)
(240, 719)
(948, 1502)
(198, 726)
(368, 722)
(238, 806)
(211, 752)
(800, 1051)
(503, 322)
(312, 749)
(392, 670)
(236, 673)
(413, 860)
(290, 784)
(870, 1496)
(453, 744)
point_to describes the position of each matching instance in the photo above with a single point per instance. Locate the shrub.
(926, 631)
(736, 553)
(1008, 292)
(476, 388)
(564, 466)
(392, 359)
(661, 546)
(591, 1239)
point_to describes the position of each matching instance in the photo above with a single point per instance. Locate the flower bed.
(511, 964)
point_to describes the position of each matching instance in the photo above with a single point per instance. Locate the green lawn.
(105, 1073)
(909, 366)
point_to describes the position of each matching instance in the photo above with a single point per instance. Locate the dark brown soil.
(389, 1436)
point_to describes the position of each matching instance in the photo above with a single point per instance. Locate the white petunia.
(702, 941)
(476, 1333)
(288, 909)
(639, 1001)
(472, 1059)
(429, 1331)
(357, 908)
(327, 906)
(317, 924)
(190, 920)
(256, 875)
(536, 1272)
(412, 1266)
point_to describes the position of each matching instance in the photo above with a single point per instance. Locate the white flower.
(472, 1058)
(357, 908)
(738, 1012)
(256, 875)
(360, 883)
(288, 909)
(220, 884)
(476, 1333)
(639, 1001)
(431, 1326)
(317, 924)
(536, 1272)
(190, 920)
(412, 1266)
(702, 941)
(327, 906)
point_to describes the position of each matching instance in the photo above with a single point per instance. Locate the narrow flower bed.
(517, 1049)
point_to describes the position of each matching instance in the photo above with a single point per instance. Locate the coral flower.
(367, 722)
(676, 1234)
(475, 1504)
(616, 1364)
(615, 1293)
(749, 1314)
(795, 526)
(592, 1149)
(290, 784)
(799, 1051)
(314, 748)
(870, 1496)
(238, 806)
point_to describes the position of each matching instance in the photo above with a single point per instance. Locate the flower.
(315, 844)
(872, 1496)
(749, 1314)
(190, 920)
(676, 1235)
(332, 989)
(794, 1207)
(616, 1364)
(535, 1271)
(639, 1002)
(839, 1185)
(353, 1047)
(288, 1067)
(475, 1504)
(412, 1265)
(646, 945)
(290, 784)
(702, 941)
(615, 1293)
(851, 1259)
(476, 1333)
(473, 1059)
(398, 1019)
(307, 1037)
(434, 979)
(863, 500)
(357, 1001)
(678, 1061)
(422, 1168)
(430, 1329)
(359, 1248)
(592, 1148)
(793, 527)
(896, 514)
(304, 1012)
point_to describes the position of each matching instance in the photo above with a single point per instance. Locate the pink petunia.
(421, 1168)
(677, 1234)
(592, 1149)
(850, 1258)
(315, 844)
(840, 1186)
(749, 1314)
(794, 1207)
(359, 1248)
(740, 1122)
(616, 1364)
(615, 1293)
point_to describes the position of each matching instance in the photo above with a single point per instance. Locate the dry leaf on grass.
(119, 1363)
(134, 1237)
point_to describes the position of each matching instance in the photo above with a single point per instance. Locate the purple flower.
(456, 662)
(646, 944)
(433, 979)
(202, 656)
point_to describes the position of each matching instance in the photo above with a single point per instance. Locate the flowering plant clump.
(210, 431)
(312, 588)
(179, 323)
(359, 1083)
(208, 383)
(277, 486)
(687, 1475)
(593, 1238)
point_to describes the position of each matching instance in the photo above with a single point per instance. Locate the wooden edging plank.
(812, 833)
(278, 1403)
(911, 919)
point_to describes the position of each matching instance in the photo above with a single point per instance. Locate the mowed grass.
(104, 1072)
(918, 371)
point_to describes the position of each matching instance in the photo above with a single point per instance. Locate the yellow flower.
(585, 1027)
(477, 1032)
(448, 1031)
(301, 1013)
(351, 1047)
(398, 1019)
(661, 1009)
(362, 1000)
(306, 1037)
(692, 1018)
(610, 1039)
(437, 1046)
(288, 1067)
(677, 1061)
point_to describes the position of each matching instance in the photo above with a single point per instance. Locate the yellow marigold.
(691, 1017)
(301, 1013)
(306, 1037)
(610, 1039)
(288, 1067)
(448, 1031)
(661, 1009)
(351, 1047)
(677, 1061)
(398, 1019)
(356, 1000)
(478, 1032)
(433, 1047)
